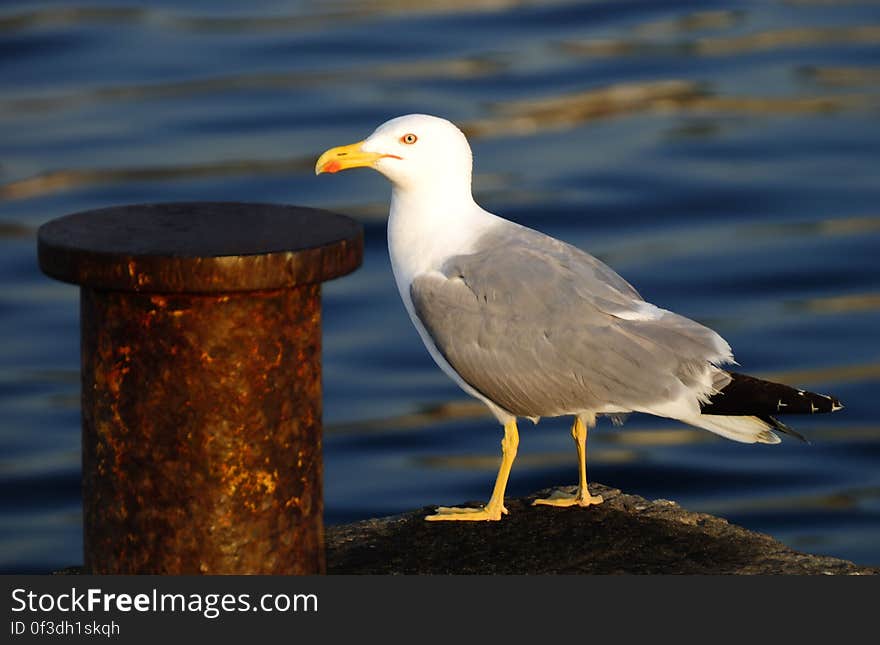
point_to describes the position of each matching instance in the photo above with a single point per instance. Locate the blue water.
(730, 173)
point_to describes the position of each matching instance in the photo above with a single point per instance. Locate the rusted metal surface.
(201, 408)
(199, 247)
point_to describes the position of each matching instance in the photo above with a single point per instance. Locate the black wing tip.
(747, 395)
(833, 405)
(777, 425)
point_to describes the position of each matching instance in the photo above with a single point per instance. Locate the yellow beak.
(344, 157)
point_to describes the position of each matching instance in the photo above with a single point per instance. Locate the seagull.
(535, 327)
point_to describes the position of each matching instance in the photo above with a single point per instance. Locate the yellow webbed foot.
(464, 514)
(562, 499)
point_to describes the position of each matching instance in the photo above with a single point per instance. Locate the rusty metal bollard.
(201, 381)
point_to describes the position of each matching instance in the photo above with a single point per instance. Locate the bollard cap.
(199, 247)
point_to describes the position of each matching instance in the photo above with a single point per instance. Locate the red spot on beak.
(332, 166)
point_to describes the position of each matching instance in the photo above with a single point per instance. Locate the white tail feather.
(742, 429)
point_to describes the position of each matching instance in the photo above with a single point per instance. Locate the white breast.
(420, 242)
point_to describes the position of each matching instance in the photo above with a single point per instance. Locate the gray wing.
(542, 328)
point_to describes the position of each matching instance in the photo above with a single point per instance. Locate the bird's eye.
(409, 139)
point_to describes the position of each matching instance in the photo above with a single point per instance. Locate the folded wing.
(542, 328)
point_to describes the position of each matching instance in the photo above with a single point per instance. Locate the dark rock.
(625, 534)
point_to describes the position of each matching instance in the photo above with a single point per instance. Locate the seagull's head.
(413, 151)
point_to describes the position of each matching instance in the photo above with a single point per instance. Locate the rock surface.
(625, 534)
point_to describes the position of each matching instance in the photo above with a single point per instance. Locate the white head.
(417, 152)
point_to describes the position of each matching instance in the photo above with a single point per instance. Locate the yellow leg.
(495, 507)
(582, 497)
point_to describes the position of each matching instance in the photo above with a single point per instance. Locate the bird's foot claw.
(562, 499)
(465, 514)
